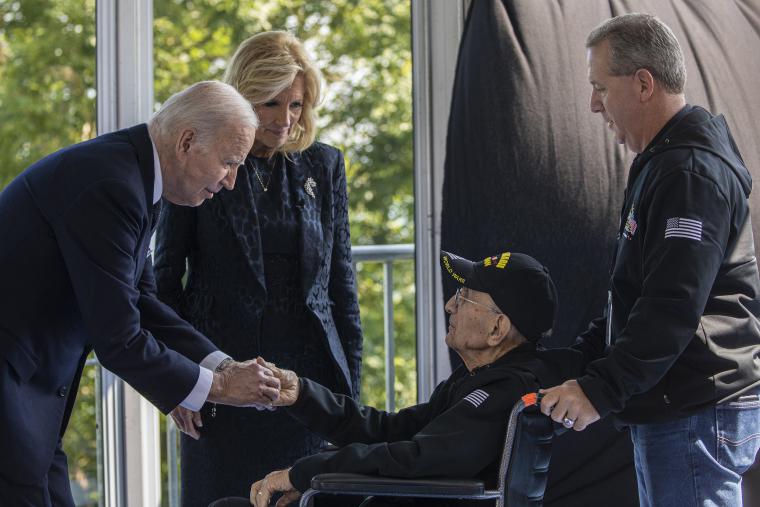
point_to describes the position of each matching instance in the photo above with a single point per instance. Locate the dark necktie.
(155, 212)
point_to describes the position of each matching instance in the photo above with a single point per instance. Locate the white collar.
(158, 182)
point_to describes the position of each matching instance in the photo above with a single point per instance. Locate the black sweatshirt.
(684, 281)
(458, 433)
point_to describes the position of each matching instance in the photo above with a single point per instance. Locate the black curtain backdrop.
(530, 169)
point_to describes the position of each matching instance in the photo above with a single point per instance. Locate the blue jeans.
(698, 460)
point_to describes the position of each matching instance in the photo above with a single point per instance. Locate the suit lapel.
(140, 139)
(240, 201)
(155, 214)
(310, 224)
(241, 210)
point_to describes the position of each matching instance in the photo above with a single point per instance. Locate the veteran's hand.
(279, 481)
(244, 384)
(289, 385)
(568, 405)
(187, 421)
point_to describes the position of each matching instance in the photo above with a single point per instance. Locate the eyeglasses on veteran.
(458, 298)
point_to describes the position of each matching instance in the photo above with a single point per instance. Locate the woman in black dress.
(269, 271)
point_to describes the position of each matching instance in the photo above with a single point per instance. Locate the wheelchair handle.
(534, 400)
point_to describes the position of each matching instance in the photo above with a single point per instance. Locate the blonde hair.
(266, 64)
(206, 107)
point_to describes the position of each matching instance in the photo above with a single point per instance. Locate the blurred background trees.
(48, 100)
(47, 79)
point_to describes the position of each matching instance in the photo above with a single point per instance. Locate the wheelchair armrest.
(360, 484)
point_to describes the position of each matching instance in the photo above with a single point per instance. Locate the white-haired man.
(74, 260)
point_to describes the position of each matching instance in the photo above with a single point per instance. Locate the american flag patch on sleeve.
(683, 228)
(476, 397)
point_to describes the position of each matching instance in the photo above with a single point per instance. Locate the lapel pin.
(309, 186)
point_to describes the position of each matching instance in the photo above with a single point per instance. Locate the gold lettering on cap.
(503, 260)
(450, 270)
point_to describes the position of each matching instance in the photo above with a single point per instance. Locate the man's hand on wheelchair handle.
(568, 405)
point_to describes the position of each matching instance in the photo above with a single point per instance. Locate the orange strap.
(530, 399)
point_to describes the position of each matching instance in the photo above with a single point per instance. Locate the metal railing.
(387, 254)
(172, 462)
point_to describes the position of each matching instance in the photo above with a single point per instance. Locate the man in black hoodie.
(675, 357)
(504, 305)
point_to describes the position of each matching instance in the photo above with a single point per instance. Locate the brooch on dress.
(309, 186)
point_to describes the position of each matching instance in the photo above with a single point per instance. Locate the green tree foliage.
(47, 79)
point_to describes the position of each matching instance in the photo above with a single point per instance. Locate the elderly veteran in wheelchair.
(503, 306)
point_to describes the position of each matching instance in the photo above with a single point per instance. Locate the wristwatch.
(223, 364)
(219, 367)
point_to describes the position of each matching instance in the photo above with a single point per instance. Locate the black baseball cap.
(519, 285)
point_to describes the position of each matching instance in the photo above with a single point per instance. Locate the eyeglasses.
(458, 298)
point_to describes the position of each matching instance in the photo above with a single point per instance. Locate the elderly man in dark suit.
(77, 276)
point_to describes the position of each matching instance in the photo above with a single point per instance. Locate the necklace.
(258, 177)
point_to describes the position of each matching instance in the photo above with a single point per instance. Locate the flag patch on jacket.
(630, 224)
(476, 397)
(683, 228)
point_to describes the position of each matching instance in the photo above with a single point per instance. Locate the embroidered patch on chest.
(683, 228)
(476, 397)
(630, 224)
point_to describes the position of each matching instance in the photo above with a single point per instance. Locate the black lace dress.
(241, 445)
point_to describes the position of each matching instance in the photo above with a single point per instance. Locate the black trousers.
(53, 491)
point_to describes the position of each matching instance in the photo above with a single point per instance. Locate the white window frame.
(436, 29)
(130, 432)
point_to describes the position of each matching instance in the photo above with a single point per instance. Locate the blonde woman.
(268, 271)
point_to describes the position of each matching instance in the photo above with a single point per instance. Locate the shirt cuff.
(212, 360)
(198, 395)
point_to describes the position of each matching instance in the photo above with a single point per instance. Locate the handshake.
(253, 383)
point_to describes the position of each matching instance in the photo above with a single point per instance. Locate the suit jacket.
(225, 293)
(75, 231)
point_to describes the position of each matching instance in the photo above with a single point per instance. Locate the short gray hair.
(206, 107)
(642, 41)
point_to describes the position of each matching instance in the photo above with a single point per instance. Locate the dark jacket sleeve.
(341, 420)
(166, 325)
(592, 342)
(342, 287)
(459, 442)
(98, 235)
(174, 238)
(678, 275)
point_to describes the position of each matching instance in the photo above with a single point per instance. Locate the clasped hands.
(256, 383)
